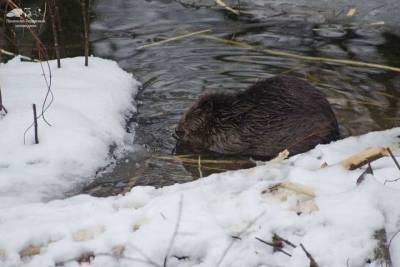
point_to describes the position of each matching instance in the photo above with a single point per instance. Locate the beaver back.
(272, 115)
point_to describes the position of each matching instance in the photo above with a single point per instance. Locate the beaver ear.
(211, 105)
(207, 103)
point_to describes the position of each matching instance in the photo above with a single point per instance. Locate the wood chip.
(118, 251)
(30, 250)
(351, 12)
(281, 156)
(88, 233)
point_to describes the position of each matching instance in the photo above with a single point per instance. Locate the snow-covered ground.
(87, 117)
(215, 221)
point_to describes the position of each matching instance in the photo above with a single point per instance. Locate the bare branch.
(276, 247)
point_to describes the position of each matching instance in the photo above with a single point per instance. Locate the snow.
(87, 117)
(195, 224)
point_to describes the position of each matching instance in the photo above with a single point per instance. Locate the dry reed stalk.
(222, 4)
(300, 56)
(179, 37)
(204, 161)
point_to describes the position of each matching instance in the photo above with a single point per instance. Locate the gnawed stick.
(281, 156)
(298, 188)
(360, 159)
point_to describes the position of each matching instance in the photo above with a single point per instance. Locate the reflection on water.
(175, 74)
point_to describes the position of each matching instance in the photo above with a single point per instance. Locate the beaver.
(273, 114)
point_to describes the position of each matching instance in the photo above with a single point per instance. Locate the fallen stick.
(298, 188)
(360, 159)
(276, 247)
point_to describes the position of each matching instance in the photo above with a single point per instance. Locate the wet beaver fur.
(272, 115)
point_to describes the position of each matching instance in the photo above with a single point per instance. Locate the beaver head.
(196, 125)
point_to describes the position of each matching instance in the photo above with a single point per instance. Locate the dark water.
(175, 74)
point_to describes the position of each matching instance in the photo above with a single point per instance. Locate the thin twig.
(391, 181)
(62, 263)
(368, 170)
(392, 238)
(238, 237)
(174, 234)
(148, 259)
(41, 52)
(274, 246)
(313, 263)
(35, 124)
(393, 158)
(284, 240)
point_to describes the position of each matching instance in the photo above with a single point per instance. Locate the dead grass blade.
(176, 38)
(222, 4)
(287, 54)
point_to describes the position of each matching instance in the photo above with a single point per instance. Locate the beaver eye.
(178, 134)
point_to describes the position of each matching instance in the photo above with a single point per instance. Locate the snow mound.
(87, 117)
(216, 221)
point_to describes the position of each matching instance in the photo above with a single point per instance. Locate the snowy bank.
(215, 221)
(87, 117)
